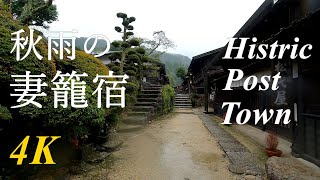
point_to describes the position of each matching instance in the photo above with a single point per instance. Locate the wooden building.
(282, 21)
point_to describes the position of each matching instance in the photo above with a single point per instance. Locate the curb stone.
(242, 161)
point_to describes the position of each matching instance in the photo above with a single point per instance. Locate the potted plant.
(272, 142)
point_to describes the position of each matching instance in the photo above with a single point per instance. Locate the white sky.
(195, 26)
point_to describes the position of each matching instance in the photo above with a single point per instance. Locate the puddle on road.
(179, 163)
(179, 147)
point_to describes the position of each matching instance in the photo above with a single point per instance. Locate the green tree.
(34, 12)
(181, 73)
(127, 42)
(71, 121)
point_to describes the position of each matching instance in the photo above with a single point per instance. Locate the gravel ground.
(178, 147)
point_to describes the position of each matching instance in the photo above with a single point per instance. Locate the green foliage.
(118, 29)
(181, 73)
(145, 59)
(37, 13)
(116, 43)
(134, 42)
(167, 94)
(121, 15)
(134, 58)
(4, 6)
(131, 94)
(67, 121)
(115, 68)
(114, 118)
(131, 88)
(126, 33)
(132, 68)
(132, 19)
(125, 45)
(131, 51)
(130, 27)
(140, 50)
(172, 62)
(5, 113)
(125, 23)
(130, 73)
(111, 65)
(129, 34)
(115, 55)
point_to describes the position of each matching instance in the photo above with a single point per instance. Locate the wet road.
(179, 147)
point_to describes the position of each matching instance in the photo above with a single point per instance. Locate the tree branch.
(156, 47)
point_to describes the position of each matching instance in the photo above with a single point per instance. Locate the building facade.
(280, 21)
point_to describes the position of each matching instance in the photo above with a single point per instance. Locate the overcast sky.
(196, 26)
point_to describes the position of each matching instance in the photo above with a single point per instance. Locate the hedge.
(167, 94)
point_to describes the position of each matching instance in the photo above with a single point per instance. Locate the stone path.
(242, 161)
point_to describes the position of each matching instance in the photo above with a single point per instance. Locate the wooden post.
(189, 84)
(206, 92)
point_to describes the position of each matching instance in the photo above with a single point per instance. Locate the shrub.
(140, 50)
(116, 43)
(131, 51)
(145, 59)
(125, 45)
(114, 56)
(167, 94)
(5, 113)
(131, 88)
(115, 68)
(132, 68)
(130, 73)
(134, 58)
(134, 42)
(111, 65)
(47, 118)
(197, 100)
(68, 122)
(113, 118)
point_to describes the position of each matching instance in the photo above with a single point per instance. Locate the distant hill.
(101, 44)
(173, 62)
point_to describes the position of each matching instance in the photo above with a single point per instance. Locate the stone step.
(147, 100)
(177, 95)
(183, 100)
(143, 108)
(152, 88)
(130, 128)
(183, 107)
(135, 120)
(182, 104)
(178, 103)
(140, 113)
(150, 92)
(145, 103)
(182, 95)
(148, 95)
(187, 104)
